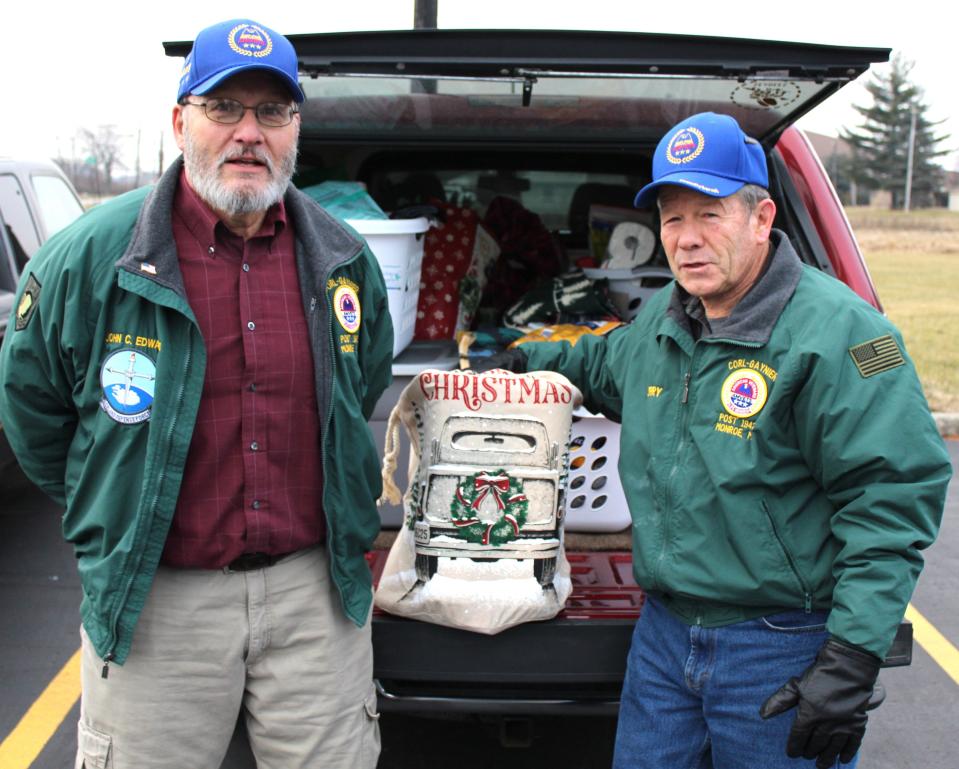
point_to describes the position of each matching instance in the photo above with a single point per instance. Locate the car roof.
(9, 164)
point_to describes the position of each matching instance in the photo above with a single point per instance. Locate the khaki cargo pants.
(273, 643)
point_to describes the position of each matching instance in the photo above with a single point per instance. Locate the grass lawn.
(914, 261)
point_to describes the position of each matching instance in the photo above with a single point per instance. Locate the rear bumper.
(571, 665)
(559, 666)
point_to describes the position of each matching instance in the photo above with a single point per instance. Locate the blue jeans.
(692, 694)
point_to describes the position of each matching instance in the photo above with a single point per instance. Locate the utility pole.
(136, 182)
(424, 14)
(909, 158)
(424, 17)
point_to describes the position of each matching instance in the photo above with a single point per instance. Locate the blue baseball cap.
(230, 47)
(708, 153)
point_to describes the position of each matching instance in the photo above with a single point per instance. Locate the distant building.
(834, 154)
(952, 190)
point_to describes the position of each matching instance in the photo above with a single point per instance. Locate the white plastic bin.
(397, 245)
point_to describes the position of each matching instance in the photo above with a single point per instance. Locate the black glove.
(512, 359)
(832, 697)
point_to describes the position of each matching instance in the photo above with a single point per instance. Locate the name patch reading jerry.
(127, 378)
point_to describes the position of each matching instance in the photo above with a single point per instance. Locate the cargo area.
(529, 253)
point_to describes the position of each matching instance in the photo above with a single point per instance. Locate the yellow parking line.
(24, 743)
(935, 643)
(22, 746)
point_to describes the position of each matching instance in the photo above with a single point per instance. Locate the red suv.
(557, 122)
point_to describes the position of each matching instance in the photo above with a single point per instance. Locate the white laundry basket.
(594, 499)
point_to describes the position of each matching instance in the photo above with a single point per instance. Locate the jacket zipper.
(807, 596)
(114, 636)
(680, 448)
(329, 410)
(329, 416)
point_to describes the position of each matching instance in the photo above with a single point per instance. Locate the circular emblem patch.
(346, 305)
(127, 378)
(686, 145)
(744, 393)
(250, 40)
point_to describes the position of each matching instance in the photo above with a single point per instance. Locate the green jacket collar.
(152, 250)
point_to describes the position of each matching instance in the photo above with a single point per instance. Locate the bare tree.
(103, 147)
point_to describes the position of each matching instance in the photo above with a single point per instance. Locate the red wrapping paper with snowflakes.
(481, 546)
(456, 257)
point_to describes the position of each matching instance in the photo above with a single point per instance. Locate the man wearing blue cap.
(778, 505)
(190, 375)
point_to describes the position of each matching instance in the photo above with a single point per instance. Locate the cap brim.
(707, 184)
(214, 80)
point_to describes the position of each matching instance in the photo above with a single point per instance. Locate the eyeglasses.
(229, 112)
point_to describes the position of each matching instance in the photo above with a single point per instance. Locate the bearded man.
(190, 375)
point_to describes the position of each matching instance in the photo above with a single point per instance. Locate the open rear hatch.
(492, 86)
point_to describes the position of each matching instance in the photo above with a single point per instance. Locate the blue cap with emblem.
(708, 153)
(230, 47)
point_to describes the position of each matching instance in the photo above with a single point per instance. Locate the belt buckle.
(249, 562)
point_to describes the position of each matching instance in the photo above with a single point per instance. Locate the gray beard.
(205, 179)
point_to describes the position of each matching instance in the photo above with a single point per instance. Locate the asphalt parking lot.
(39, 596)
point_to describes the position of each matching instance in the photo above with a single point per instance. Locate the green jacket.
(764, 468)
(111, 283)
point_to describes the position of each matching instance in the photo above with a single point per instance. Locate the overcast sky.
(95, 63)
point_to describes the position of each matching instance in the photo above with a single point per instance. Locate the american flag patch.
(879, 355)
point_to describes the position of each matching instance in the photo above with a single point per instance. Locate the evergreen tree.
(880, 146)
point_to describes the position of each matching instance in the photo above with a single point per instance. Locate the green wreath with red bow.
(507, 494)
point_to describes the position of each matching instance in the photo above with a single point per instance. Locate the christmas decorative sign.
(482, 548)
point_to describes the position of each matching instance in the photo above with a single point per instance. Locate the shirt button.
(246, 267)
(211, 249)
(252, 387)
(256, 504)
(254, 446)
(251, 325)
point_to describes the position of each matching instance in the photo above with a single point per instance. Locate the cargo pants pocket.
(93, 748)
(371, 736)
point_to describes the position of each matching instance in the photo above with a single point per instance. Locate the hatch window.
(631, 108)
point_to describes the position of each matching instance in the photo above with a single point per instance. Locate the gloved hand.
(831, 696)
(512, 359)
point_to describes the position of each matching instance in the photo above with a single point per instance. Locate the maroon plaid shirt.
(253, 478)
